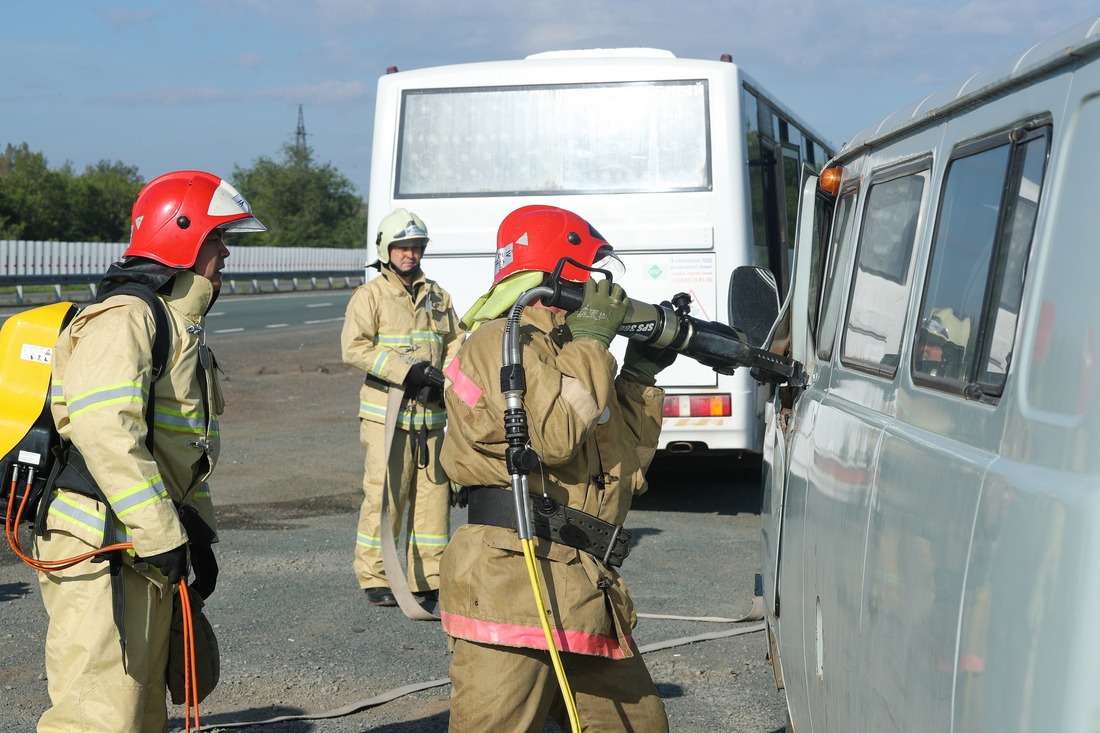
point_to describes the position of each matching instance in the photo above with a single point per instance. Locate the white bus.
(931, 501)
(689, 168)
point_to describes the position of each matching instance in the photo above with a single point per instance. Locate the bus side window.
(880, 288)
(979, 252)
(837, 252)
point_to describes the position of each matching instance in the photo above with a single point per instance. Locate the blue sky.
(211, 84)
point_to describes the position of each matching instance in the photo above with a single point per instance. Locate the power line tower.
(300, 135)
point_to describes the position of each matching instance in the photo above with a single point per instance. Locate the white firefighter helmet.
(400, 227)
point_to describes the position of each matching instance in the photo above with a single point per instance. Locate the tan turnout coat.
(102, 368)
(386, 331)
(485, 593)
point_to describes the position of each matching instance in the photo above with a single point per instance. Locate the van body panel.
(928, 528)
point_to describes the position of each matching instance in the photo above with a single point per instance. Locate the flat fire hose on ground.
(395, 572)
(755, 614)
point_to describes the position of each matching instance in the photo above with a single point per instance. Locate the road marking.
(228, 330)
(318, 305)
(323, 320)
(215, 313)
(277, 325)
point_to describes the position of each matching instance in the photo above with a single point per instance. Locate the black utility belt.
(381, 384)
(606, 542)
(372, 381)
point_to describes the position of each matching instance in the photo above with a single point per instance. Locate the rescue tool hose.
(11, 531)
(520, 459)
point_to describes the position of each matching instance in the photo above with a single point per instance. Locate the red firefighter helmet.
(175, 212)
(537, 237)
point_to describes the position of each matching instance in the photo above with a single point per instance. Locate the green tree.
(32, 197)
(37, 203)
(302, 203)
(105, 193)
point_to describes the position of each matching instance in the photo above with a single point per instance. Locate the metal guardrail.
(60, 264)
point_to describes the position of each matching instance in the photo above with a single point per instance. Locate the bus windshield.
(557, 139)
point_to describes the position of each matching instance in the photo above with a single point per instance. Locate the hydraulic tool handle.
(656, 325)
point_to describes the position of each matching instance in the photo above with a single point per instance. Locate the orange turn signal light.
(829, 180)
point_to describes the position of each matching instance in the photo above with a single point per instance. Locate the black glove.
(198, 531)
(205, 566)
(642, 363)
(460, 496)
(423, 373)
(172, 564)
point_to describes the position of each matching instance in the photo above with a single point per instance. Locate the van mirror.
(753, 303)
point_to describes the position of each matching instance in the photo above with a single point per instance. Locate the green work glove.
(601, 313)
(642, 363)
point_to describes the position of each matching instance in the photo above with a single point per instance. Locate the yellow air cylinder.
(27, 342)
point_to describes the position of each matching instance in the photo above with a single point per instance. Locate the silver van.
(931, 517)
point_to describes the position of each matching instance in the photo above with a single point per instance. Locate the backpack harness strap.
(71, 470)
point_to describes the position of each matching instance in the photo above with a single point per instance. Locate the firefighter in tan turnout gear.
(108, 638)
(595, 433)
(401, 329)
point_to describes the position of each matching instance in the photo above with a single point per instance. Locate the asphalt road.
(298, 638)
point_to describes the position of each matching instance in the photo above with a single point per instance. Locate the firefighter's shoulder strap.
(74, 471)
(29, 443)
(162, 338)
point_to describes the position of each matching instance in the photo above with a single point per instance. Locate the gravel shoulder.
(298, 637)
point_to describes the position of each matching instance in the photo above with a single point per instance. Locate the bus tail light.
(696, 405)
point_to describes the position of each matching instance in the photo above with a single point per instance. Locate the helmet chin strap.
(412, 273)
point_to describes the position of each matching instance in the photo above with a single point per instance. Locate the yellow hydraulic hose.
(555, 657)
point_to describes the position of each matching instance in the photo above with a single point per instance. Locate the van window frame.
(974, 381)
(920, 166)
(837, 245)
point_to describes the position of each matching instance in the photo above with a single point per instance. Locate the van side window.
(986, 218)
(880, 290)
(833, 286)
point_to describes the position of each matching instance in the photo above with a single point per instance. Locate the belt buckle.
(611, 544)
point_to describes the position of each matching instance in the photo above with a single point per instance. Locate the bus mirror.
(753, 303)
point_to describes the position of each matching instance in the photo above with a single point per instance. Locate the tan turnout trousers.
(423, 493)
(91, 689)
(513, 690)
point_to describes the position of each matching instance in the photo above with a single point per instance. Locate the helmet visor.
(251, 224)
(227, 201)
(606, 259)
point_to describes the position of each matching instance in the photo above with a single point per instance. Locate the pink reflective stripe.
(972, 663)
(462, 385)
(530, 637)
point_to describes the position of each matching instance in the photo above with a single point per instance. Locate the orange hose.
(11, 529)
(190, 674)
